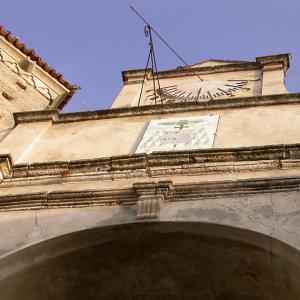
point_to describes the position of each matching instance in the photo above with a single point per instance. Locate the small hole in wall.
(21, 85)
(7, 96)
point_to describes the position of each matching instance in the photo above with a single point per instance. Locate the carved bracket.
(5, 166)
(151, 196)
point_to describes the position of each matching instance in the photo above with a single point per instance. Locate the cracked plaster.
(275, 215)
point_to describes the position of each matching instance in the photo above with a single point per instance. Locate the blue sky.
(90, 42)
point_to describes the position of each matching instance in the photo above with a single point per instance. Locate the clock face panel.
(199, 90)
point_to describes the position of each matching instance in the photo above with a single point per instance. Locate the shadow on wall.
(154, 261)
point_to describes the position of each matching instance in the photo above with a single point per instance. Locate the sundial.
(197, 90)
(198, 87)
(184, 133)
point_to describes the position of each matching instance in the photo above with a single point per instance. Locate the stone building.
(187, 192)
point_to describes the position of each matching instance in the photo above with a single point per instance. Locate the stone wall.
(243, 122)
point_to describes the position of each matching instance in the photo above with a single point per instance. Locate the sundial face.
(199, 90)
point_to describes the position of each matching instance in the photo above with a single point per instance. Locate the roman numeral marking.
(186, 98)
(231, 85)
(226, 93)
(170, 90)
(244, 81)
(211, 97)
(198, 95)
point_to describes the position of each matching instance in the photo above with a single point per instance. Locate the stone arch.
(154, 260)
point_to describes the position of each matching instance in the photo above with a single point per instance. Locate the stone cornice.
(280, 59)
(131, 195)
(136, 76)
(195, 162)
(235, 103)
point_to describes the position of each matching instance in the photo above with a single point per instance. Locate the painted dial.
(198, 90)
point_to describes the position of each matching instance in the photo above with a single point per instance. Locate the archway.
(154, 261)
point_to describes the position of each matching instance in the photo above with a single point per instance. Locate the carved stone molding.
(156, 165)
(5, 167)
(148, 196)
(148, 207)
(136, 76)
(151, 196)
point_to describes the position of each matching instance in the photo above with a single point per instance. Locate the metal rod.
(155, 67)
(164, 41)
(144, 78)
(157, 78)
(152, 72)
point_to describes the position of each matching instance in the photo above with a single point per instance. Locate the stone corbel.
(5, 167)
(151, 197)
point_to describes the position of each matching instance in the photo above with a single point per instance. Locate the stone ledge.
(6, 166)
(160, 159)
(234, 103)
(136, 76)
(133, 76)
(194, 162)
(236, 188)
(164, 191)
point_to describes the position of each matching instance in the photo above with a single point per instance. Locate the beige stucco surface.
(273, 81)
(274, 214)
(22, 139)
(109, 137)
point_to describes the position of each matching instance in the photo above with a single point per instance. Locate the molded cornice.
(136, 76)
(133, 195)
(157, 164)
(235, 103)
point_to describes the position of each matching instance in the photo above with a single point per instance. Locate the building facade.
(190, 191)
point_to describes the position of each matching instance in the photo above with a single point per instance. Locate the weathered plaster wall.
(273, 80)
(117, 136)
(273, 214)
